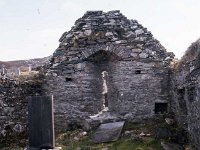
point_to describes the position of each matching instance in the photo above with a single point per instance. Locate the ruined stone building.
(108, 67)
(107, 62)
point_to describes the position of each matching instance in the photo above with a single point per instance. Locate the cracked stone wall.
(186, 83)
(138, 69)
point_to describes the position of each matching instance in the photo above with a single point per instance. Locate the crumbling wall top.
(110, 31)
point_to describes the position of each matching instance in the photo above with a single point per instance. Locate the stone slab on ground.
(108, 132)
(162, 133)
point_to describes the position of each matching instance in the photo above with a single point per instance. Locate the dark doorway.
(161, 108)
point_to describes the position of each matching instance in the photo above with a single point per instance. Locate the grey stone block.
(108, 132)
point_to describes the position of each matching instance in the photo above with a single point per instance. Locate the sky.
(32, 28)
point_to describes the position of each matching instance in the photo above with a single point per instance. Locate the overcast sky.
(31, 28)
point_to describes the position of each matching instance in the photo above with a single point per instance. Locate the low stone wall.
(13, 107)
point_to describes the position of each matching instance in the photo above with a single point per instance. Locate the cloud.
(73, 7)
(33, 44)
(45, 33)
(2, 2)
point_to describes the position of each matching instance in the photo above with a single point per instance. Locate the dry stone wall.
(13, 107)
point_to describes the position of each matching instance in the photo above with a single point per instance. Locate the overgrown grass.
(75, 140)
(67, 142)
(122, 144)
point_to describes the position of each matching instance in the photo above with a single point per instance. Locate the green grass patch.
(121, 144)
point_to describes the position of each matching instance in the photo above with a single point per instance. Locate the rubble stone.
(143, 55)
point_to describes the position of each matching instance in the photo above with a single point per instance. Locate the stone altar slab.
(108, 132)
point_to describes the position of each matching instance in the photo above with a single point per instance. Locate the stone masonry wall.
(186, 92)
(129, 94)
(137, 65)
(13, 108)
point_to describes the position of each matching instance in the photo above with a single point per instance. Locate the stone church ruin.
(107, 63)
(109, 68)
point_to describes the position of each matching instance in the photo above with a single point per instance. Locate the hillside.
(33, 62)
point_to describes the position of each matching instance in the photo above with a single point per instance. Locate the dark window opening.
(161, 108)
(191, 94)
(106, 100)
(138, 72)
(181, 100)
(105, 89)
(68, 79)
